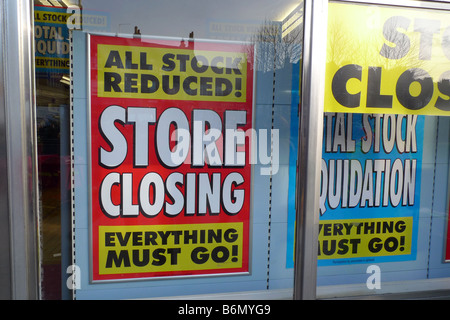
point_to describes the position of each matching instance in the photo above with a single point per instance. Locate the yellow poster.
(169, 248)
(390, 60)
(171, 73)
(357, 238)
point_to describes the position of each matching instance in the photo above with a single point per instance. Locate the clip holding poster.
(170, 181)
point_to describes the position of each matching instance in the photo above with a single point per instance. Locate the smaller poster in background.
(51, 35)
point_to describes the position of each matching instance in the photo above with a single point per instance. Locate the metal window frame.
(18, 101)
(310, 149)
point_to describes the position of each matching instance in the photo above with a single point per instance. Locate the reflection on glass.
(52, 65)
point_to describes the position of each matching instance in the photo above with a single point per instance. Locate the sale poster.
(51, 35)
(379, 86)
(169, 172)
(370, 188)
(385, 59)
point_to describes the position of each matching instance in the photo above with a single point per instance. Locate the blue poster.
(370, 188)
(52, 44)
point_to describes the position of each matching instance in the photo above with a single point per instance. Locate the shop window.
(131, 207)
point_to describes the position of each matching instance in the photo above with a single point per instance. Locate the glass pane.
(184, 225)
(52, 55)
(384, 197)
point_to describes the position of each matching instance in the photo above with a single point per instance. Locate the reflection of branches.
(340, 50)
(273, 50)
(345, 47)
(400, 40)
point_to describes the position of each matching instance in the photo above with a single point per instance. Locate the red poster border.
(96, 218)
